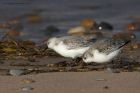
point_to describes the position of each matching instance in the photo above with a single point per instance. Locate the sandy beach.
(74, 82)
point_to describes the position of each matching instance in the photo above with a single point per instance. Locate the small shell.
(27, 88)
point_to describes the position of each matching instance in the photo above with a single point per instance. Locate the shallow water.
(68, 13)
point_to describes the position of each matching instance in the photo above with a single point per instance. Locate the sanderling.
(104, 50)
(69, 46)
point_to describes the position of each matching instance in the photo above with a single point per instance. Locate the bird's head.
(51, 42)
(87, 57)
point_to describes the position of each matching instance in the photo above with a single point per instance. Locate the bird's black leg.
(79, 62)
(76, 60)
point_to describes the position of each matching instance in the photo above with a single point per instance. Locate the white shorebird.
(69, 46)
(104, 50)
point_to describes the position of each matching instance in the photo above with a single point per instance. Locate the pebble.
(105, 87)
(79, 30)
(132, 46)
(134, 26)
(136, 46)
(16, 72)
(88, 23)
(105, 26)
(27, 88)
(100, 79)
(27, 81)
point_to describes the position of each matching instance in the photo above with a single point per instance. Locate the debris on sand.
(27, 81)
(16, 72)
(27, 88)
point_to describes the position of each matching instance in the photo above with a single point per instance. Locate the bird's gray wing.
(76, 42)
(109, 45)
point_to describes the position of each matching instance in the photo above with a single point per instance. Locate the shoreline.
(74, 82)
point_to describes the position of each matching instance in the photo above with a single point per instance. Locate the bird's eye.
(48, 43)
(84, 58)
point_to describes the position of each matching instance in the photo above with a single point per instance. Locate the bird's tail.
(122, 43)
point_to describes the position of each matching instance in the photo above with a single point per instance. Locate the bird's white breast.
(102, 57)
(72, 53)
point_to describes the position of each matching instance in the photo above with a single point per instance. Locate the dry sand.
(74, 82)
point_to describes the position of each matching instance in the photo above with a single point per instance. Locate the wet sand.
(74, 82)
